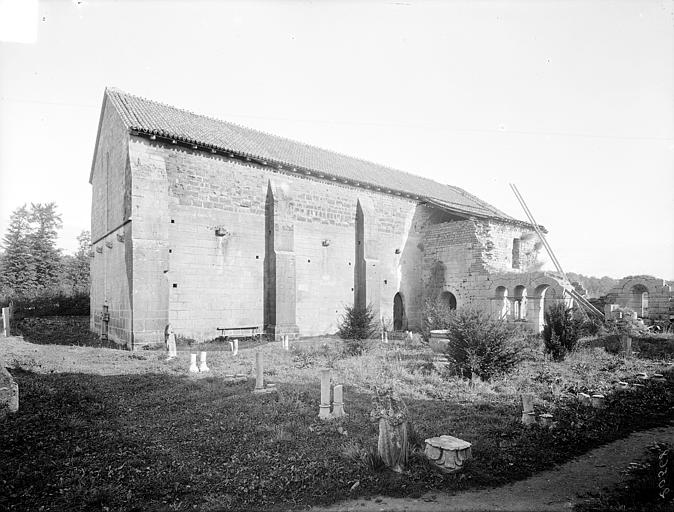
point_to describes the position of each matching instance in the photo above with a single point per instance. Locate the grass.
(142, 434)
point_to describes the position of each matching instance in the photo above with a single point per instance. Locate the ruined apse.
(204, 224)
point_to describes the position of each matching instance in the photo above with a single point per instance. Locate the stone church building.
(205, 224)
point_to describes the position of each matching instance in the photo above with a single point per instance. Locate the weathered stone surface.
(9, 392)
(448, 453)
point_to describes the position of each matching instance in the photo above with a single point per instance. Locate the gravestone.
(545, 420)
(528, 414)
(5, 322)
(584, 398)
(626, 345)
(598, 401)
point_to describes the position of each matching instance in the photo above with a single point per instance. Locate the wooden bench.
(242, 332)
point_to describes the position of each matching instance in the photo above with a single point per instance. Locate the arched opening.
(501, 302)
(540, 303)
(448, 299)
(520, 303)
(398, 313)
(639, 300)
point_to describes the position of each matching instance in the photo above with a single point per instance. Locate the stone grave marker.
(324, 409)
(338, 404)
(528, 414)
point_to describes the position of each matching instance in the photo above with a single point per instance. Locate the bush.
(435, 314)
(356, 325)
(561, 330)
(480, 343)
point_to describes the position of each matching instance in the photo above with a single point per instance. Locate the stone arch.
(520, 302)
(449, 299)
(501, 303)
(638, 300)
(544, 291)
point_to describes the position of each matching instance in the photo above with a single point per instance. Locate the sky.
(571, 101)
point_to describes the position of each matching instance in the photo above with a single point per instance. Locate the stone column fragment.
(338, 403)
(324, 411)
(193, 364)
(203, 367)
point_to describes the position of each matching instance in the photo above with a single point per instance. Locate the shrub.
(480, 343)
(435, 314)
(561, 330)
(356, 325)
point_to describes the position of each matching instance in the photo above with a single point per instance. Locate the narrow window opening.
(516, 252)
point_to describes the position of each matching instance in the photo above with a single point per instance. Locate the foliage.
(356, 325)
(60, 330)
(75, 277)
(480, 343)
(32, 265)
(435, 314)
(595, 286)
(561, 330)
(19, 276)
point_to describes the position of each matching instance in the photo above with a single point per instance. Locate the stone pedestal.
(584, 398)
(448, 453)
(438, 341)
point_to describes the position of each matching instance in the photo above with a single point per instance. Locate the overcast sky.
(572, 101)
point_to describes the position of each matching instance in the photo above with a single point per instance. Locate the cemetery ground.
(106, 429)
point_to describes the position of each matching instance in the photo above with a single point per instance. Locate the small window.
(516, 253)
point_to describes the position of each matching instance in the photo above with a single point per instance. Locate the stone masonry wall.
(210, 281)
(110, 208)
(471, 259)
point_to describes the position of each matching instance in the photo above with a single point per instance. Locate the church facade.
(203, 224)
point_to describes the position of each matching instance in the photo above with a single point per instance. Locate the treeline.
(595, 286)
(33, 271)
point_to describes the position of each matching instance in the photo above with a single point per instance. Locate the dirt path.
(558, 489)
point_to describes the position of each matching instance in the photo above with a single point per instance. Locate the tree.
(76, 267)
(19, 275)
(561, 330)
(46, 223)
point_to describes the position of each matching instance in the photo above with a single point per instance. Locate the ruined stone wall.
(471, 259)
(649, 296)
(111, 250)
(205, 281)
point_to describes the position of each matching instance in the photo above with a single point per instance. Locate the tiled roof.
(155, 118)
